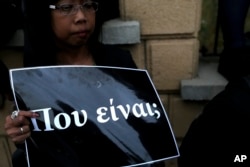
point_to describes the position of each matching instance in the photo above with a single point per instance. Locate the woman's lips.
(81, 34)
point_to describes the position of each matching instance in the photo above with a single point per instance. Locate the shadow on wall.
(111, 8)
(4, 84)
(11, 20)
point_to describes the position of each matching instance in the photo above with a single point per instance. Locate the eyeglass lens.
(69, 9)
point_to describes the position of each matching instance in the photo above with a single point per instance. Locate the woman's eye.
(88, 6)
(67, 7)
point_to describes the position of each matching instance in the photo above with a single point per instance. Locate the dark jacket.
(221, 133)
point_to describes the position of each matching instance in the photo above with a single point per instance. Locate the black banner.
(112, 115)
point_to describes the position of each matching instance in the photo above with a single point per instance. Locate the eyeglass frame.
(75, 8)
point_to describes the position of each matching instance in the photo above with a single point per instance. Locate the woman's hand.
(17, 125)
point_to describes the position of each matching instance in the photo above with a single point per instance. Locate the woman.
(64, 32)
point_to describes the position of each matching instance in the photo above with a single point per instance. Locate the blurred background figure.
(235, 58)
(221, 132)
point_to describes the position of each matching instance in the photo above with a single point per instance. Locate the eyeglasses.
(71, 9)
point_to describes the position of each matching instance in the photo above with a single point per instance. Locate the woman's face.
(72, 22)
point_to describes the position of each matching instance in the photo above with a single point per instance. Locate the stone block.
(138, 53)
(206, 85)
(159, 17)
(117, 31)
(164, 101)
(171, 61)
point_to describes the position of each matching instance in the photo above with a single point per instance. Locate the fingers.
(19, 134)
(17, 125)
(24, 114)
(20, 117)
